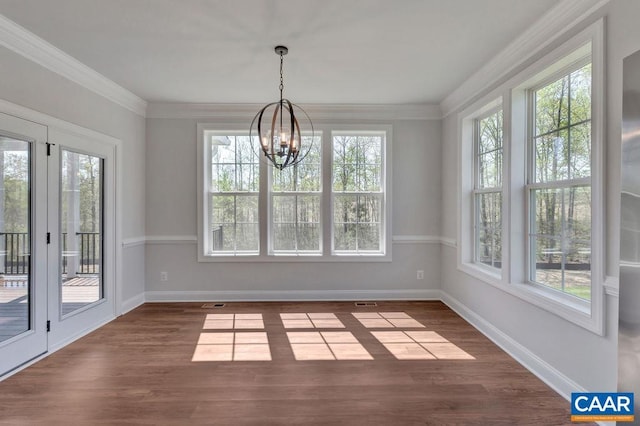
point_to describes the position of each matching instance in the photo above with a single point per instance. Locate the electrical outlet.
(420, 275)
(164, 276)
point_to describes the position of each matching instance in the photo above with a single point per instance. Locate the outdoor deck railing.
(16, 251)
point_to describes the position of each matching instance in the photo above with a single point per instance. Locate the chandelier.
(277, 127)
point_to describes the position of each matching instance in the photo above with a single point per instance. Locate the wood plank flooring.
(138, 370)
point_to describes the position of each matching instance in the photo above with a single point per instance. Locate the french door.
(23, 245)
(56, 238)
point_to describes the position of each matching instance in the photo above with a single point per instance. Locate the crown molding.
(315, 111)
(23, 42)
(552, 25)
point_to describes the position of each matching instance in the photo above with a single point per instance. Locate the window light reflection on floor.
(386, 320)
(412, 345)
(326, 345)
(233, 321)
(241, 346)
(310, 320)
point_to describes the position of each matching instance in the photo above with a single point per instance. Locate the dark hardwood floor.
(139, 370)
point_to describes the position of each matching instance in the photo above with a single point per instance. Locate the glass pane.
(223, 177)
(578, 269)
(15, 237)
(369, 209)
(490, 169)
(369, 237)
(81, 194)
(309, 237)
(581, 95)
(344, 163)
(247, 237)
(548, 212)
(223, 208)
(580, 151)
(578, 211)
(489, 210)
(344, 236)
(284, 209)
(552, 106)
(490, 133)
(345, 209)
(284, 237)
(547, 269)
(551, 159)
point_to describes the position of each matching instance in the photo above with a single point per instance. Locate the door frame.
(66, 328)
(49, 122)
(33, 342)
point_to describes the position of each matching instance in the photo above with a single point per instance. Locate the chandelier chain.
(281, 77)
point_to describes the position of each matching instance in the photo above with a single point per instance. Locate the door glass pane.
(15, 237)
(81, 195)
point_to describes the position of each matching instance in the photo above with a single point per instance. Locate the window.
(531, 190)
(332, 206)
(296, 198)
(233, 184)
(358, 194)
(560, 183)
(488, 190)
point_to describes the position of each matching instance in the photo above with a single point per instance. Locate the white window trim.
(264, 207)
(513, 97)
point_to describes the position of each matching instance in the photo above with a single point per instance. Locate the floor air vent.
(361, 304)
(213, 305)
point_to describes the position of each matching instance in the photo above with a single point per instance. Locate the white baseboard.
(132, 303)
(292, 295)
(562, 384)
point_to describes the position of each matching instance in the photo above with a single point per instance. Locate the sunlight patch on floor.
(407, 345)
(241, 346)
(233, 321)
(386, 320)
(310, 320)
(326, 345)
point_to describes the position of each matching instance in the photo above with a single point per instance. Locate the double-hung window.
(333, 205)
(358, 193)
(233, 179)
(488, 189)
(531, 173)
(296, 200)
(559, 183)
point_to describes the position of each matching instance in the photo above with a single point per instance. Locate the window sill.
(547, 299)
(283, 258)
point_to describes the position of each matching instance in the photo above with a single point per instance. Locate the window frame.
(266, 254)
(513, 95)
(477, 191)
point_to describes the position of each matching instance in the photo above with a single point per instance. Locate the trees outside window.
(358, 193)
(488, 189)
(560, 184)
(332, 203)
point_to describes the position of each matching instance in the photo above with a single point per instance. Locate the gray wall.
(171, 213)
(30, 85)
(581, 356)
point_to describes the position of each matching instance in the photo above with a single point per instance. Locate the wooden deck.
(179, 364)
(77, 292)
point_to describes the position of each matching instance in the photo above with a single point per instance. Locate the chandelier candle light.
(278, 128)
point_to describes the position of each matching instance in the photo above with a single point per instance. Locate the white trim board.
(291, 295)
(315, 111)
(562, 384)
(23, 42)
(549, 28)
(192, 239)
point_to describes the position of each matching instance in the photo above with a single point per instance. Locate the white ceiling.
(340, 51)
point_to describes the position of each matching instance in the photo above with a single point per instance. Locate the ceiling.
(340, 51)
